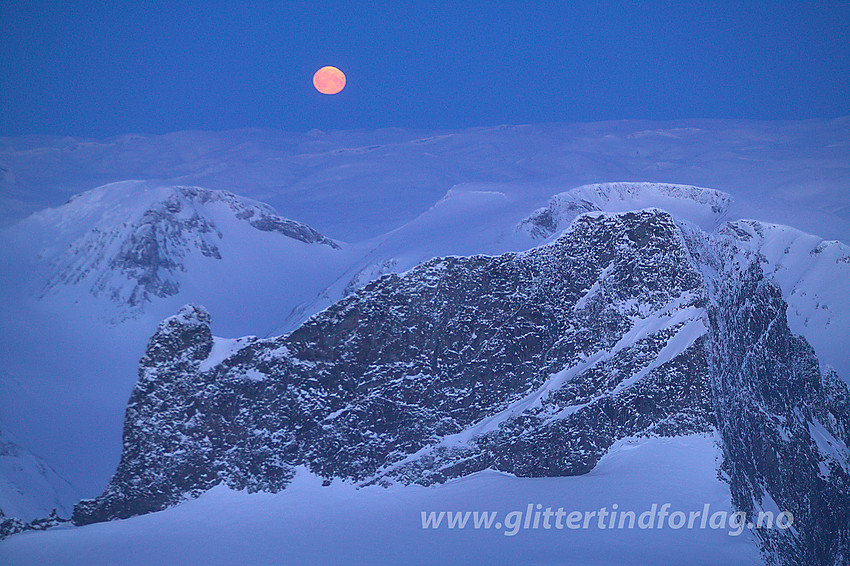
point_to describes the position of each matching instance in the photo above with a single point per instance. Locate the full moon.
(329, 80)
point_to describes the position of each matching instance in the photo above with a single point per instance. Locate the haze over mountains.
(355, 185)
(89, 281)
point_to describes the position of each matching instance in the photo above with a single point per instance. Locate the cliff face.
(530, 363)
(783, 424)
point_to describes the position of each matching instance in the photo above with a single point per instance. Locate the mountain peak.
(533, 363)
(135, 241)
(185, 336)
(706, 208)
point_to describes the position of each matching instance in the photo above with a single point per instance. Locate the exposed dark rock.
(11, 526)
(291, 229)
(532, 363)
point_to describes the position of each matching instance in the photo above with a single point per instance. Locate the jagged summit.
(480, 218)
(531, 363)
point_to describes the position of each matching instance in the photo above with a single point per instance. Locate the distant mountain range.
(356, 185)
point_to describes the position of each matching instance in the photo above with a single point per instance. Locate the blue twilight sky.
(97, 69)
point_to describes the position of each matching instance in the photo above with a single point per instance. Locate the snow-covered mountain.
(87, 283)
(534, 364)
(133, 241)
(704, 207)
(96, 273)
(814, 275)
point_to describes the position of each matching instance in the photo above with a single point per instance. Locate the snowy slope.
(29, 487)
(814, 275)
(339, 524)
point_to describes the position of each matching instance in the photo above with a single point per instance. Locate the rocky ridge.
(531, 363)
